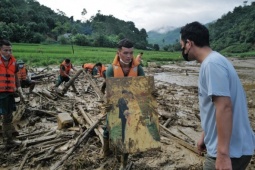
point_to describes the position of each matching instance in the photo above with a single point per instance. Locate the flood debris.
(64, 130)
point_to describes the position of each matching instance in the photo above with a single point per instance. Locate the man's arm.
(224, 121)
(140, 71)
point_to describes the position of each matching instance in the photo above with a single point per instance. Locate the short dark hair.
(5, 42)
(125, 43)
(99, 64)
(195, 32)
(67, 60)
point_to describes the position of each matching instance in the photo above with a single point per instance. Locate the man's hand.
(223, 162)
(201, 145)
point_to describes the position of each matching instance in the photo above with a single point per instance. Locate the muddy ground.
(178, 110)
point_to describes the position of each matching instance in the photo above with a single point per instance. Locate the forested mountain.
(29, 21)
(163, 39)
(233, 32)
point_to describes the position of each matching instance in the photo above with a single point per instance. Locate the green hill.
(233, 32)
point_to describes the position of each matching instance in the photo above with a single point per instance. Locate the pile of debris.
(63, 129)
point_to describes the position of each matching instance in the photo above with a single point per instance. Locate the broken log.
(80, 139)
(24, 161)
(90, 122)
(36, 77)
(51, 113)
(71, 81)
(95, 87)
(40, 139)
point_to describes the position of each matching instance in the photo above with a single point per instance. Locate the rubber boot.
(7, 136)
(124, 160)
(106, 148)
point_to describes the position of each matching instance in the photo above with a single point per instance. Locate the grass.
(44, 55)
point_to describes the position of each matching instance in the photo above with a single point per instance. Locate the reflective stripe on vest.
(22, 74)
(7, 76)
(117, 70)
(67, 68)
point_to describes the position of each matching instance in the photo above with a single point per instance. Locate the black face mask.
(185, 56)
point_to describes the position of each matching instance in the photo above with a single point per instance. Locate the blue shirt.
(217, 77)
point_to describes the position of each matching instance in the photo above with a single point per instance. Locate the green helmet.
(20, 62)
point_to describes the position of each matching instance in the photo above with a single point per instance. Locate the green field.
(43, 55)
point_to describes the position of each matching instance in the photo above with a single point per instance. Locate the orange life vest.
(67, 68)
(22, 74)
(7, 75)
(88, 66)
(117, 70)
(138, 58)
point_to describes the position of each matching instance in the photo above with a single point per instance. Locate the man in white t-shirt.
(227, 135)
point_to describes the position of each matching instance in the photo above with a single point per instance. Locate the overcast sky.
(148, 14)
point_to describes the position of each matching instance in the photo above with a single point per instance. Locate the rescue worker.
(124, 65)
(64, 71)
(9, 83)
(96, 70)
(139, 58)
(25, 82)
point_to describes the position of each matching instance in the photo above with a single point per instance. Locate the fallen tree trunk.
(71, 81)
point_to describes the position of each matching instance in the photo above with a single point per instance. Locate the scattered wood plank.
(80, 139)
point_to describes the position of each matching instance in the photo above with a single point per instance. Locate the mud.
(176, 84)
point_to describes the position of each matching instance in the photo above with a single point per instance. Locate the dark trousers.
(237, 163)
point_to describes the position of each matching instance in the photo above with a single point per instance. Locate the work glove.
(21, 95)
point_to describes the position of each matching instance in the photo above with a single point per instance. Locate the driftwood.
(42, 160)
(51, 113)
(80, 139)
(90, 122)
(71, 81)
(178, 140)
(40, 139)
(24, 161)
(95, 87)
(48, 94)
(36, 77)
(30, 134)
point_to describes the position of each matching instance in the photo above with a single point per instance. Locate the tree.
(156, 47)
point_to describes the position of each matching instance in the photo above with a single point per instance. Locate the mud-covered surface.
(178, 110)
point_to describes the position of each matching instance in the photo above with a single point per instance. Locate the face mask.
(5, 58)
(21, 65)
(124, 62)
(185, 56)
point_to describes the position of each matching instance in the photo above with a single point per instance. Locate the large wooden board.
(133, 119)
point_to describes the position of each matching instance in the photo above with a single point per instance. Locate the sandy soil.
(178, 108)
